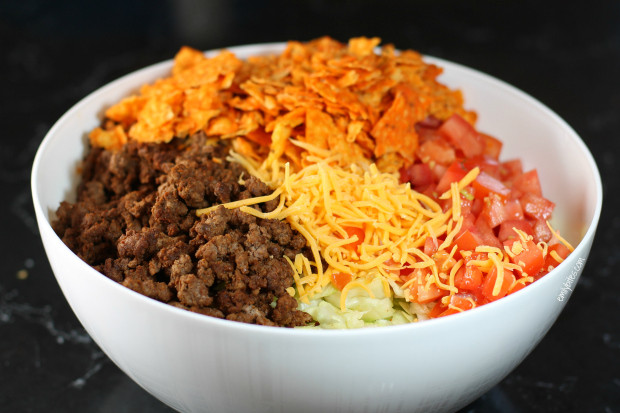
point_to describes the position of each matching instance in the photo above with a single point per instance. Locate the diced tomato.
(430, 190)
(421, 175)
(420, 292)
(518, 286)
(493, 211)
(395, 268)
(430, 246)
(467, 200)
(492, 146)
(437, 150)
(405, 273)
(463, 135)
(433, 292)
(541, 231)
(506, 230)
(486, 164)
(430, 122)
(562, 252)
(437, 310)
(340, 279)
(491, 167)
(476, 206)
(467, 240)
(418, 174)
(489, 284)
(355, 231)
(486, 233)
(477, 256)
(509, 170)
(485, 185)
(392, 266)
(427, 134)
(468, 277)
(535, 206)
(455, 173)
(528, 182)
(501, 199)
(561, 249)
(458, 303)
(438, 171)
(469, 222)
(513, 209)
(530, 259)
(404, 176)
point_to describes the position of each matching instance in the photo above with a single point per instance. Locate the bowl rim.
(267, 48)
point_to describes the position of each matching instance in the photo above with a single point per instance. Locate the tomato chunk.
(437, 150)
(537, 207)
(528, 182)
(506, 229)
(340, 280)
(423, 294)
(437, 310)
(431, 294)
(468, 277)
(355, 231)
(561, 250)
(493, 211)
(455, 173)
(490, 280)
(541, 230)
(458, 303)
(492, 146)
(530, 258)
(418, 174)
(430, 246)
(486, 233)
(485, 185)
(463, 135)
(510, 170)
(467, 240)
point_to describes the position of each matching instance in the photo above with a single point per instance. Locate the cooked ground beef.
(134, 220)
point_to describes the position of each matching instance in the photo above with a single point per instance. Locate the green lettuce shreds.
(362, 310)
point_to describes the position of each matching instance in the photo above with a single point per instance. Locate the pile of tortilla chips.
(343, 98)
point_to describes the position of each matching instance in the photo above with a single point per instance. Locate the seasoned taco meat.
(134, 220)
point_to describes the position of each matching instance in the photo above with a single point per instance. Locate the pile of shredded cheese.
(323, 199)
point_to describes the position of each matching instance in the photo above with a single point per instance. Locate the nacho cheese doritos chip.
(353, 99)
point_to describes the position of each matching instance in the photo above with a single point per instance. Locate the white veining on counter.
(14, 311)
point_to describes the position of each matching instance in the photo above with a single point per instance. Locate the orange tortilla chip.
(395, 131)
(126, 111)
(345, 98)
(186, 58)
(363, 46)
(279, 140)
(319, 127)
(112, 139)
(260, 137)
(208, 71)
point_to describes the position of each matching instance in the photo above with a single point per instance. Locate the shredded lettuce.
(362, 310)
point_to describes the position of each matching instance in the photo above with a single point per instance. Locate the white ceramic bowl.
(197, 363)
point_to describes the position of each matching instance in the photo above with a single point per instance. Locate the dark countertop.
(54, 53)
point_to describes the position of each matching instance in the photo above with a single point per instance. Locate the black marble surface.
(54, 53)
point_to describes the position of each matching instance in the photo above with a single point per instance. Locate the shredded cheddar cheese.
(392, 223)
(322, 200)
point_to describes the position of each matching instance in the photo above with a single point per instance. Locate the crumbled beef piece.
(138, 280)
(135, 221)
